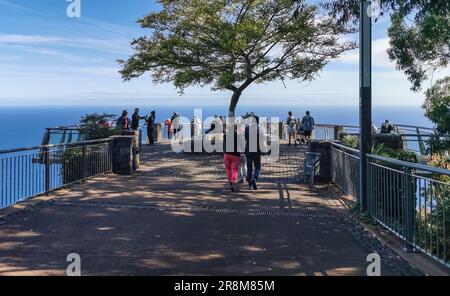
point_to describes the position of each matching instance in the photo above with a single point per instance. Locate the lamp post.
(365, 97)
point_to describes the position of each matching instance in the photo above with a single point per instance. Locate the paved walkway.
(176, 217)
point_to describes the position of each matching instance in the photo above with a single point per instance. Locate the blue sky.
(48, 58)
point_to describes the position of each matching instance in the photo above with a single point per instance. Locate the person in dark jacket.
(150, 130)
(123, 122)
(253, 152)
(135, 119)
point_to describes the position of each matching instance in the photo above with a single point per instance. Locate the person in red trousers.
(231, 157)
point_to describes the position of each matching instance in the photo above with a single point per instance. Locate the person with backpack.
(308, 126)
(387, 127)
(291, 127)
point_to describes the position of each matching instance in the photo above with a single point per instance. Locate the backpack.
(308, 123)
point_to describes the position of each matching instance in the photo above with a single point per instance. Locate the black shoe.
(254, 186)
(232, 187)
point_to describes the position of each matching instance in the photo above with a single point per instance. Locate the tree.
(233, 44)
(419, 33)
(96, 126)
(437, 109)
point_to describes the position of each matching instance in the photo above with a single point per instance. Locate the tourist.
(387, 127)
(253, 152)
(168, 124)
(242, 170)
(175, 124)
(135, 119)
(231, 157)
(196, 128)
(374, 128)
(123, 122)
(214, 124)
(150, 127)
(291, 127)
(299, 130)
(308, 126)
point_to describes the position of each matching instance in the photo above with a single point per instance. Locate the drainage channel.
(304, 213)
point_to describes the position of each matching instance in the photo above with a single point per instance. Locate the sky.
(48, 58)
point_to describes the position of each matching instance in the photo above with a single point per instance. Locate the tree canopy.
(232, 44)
(419, 33)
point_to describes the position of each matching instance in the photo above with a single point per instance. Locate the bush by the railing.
(433, 216)
(97, 126)
(72, 162)
(81, 162)
(351, 141)
(382, 150)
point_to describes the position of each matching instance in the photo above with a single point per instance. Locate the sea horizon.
(26, 124)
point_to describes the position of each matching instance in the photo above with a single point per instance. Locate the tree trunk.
(234, 101)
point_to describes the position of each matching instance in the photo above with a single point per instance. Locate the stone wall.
(125, 152)
(324, 148)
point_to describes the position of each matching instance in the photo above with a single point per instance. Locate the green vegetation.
(231, 45)
(419, 33)
(97, 126)
(75, 167)
(351, 141)
(437, 109)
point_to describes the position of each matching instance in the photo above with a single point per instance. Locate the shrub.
(351, 141)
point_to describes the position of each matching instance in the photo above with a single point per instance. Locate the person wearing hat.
(150, 131)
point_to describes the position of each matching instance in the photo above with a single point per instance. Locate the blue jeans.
(253, 159)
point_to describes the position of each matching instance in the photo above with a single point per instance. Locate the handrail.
(354, 151)
(397, 162)
(55, 145)
(414, 126)
(333, 125)
(410, 164)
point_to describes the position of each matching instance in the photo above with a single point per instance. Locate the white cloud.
(380, 58)
(105, 45)
(50, 52)
(19, 7)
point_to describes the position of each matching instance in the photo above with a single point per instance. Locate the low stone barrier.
(324, 148)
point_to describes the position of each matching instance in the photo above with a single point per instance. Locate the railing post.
(83, 162)
(370, 186)
(408, 208)
(47, 169)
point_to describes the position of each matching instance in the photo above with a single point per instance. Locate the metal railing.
(411, 200)
(329, 132)
(32, 171)
(345, 169)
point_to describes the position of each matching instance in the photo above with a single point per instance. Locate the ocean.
(25, 125)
